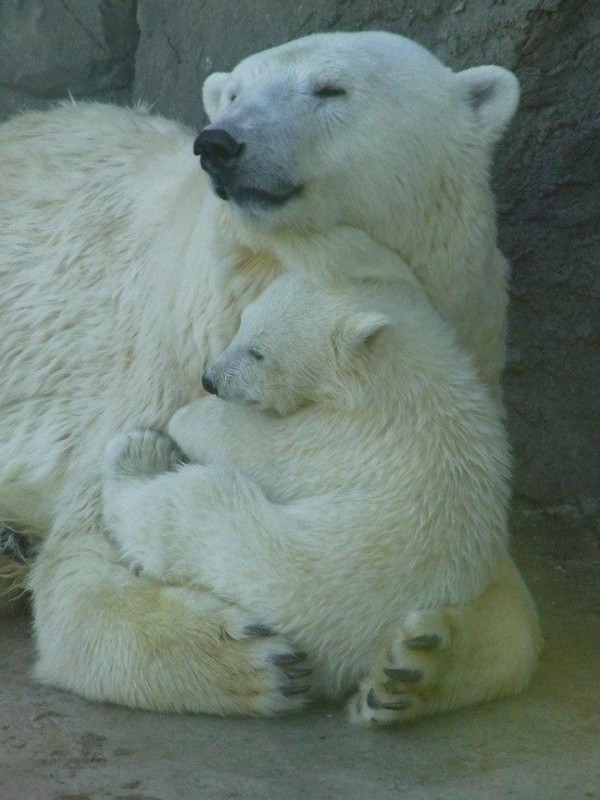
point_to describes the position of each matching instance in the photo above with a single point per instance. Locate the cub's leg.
(109, 635)
(446, 658)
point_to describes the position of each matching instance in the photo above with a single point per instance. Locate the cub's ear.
(493, 93)
(362, 329)
(211, 93)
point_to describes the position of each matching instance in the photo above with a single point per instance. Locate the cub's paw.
(407, 677)
(141, 453)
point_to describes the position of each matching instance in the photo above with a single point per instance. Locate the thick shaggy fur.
(122, 275)
(361, 475)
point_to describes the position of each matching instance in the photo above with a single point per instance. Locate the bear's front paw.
(406, 679)
(141, 453)
(131, 461)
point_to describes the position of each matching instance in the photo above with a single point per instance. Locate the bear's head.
(362, 129)
(300, 344)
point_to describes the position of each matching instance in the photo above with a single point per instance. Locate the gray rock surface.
(52, 48)
(547, 175)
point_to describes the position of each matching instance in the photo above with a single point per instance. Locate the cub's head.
(300, 344)
(349, 128)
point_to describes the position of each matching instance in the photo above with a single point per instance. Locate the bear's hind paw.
(406, 681)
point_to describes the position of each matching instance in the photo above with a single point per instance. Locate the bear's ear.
(493, 93)
(212, 91)
(362, 329)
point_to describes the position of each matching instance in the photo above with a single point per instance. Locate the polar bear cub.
(351, 492)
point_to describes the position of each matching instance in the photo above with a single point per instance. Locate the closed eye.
(255, 354)
(329, 90)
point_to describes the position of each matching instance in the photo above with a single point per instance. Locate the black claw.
(258, 630)
(297, 672)
(404, 675)
(397, 705)
(283, 659)
(290, 691)
(424, 642)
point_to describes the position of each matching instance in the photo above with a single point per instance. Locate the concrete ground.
(543, 745)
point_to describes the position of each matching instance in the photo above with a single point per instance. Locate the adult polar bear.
(122, 274)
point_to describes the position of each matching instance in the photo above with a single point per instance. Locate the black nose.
(209, 385)
(217, 147)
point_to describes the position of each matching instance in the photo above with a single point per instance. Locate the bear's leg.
(446, 658)
(108, 635)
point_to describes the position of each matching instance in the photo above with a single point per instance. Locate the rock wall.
(547, 175)
(50, 48)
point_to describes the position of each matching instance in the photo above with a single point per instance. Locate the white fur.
(122, 275)
(381, 491)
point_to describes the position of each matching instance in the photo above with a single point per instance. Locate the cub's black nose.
(217, 147)
(209, 385)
